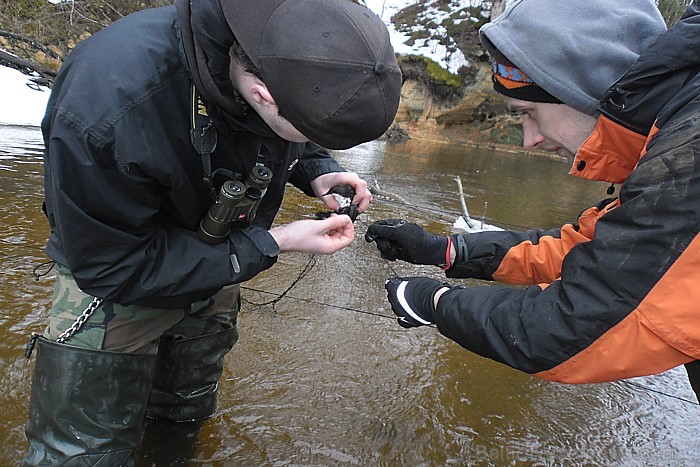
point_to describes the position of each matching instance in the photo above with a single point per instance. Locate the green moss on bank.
(431, 73)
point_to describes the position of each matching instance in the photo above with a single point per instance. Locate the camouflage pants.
(136, 329)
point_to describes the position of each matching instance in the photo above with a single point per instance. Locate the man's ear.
(261, 94)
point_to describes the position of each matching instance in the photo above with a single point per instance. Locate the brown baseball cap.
(329, 65)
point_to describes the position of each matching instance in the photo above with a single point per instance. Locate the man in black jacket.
(155, 126)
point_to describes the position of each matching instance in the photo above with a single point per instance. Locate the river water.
(325, 376)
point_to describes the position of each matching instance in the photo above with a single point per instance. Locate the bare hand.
(324, 236)
(323, 183)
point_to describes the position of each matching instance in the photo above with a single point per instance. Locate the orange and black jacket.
(616, 294)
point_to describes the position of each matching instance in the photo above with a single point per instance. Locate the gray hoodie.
(574, 50)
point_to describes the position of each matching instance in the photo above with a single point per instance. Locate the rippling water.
(326, 377)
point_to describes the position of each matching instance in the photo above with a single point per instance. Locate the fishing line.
(315, 302)
(648, 389)
(450, 214)
(307, 269)
(391, 268)
(312, 262)
(309, 266)
(49, 265)
(631, 384)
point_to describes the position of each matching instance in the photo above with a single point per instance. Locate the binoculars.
(237, 203)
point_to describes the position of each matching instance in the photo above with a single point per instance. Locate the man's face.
(552, 127)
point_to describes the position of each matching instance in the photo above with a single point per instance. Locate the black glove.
(398, 239)
(412, 299)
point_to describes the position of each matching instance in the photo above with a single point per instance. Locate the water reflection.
(326, 377)
(19, 146)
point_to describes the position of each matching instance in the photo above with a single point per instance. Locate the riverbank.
(24, 103)
(430, 132)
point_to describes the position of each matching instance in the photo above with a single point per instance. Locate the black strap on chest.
(204, 139)
(203, 136)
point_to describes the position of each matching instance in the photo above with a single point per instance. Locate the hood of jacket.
(650, 91)
(206, 41)
(661, 82)
(571, 49)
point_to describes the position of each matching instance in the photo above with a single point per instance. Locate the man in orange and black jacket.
(614, 295)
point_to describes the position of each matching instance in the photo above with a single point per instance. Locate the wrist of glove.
(412, 300)
(398, 239)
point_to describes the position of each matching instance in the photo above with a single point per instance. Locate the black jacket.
(124, 190)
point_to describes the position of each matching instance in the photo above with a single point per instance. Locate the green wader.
(187, 376)
(184, 393)
(87, 407)
(90, 396)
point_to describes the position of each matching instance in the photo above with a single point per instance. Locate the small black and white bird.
(343, 194)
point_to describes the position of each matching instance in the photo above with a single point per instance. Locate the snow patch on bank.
(451, 60)
(23, 101)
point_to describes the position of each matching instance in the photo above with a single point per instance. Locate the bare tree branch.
(25, 66)
(31, 42)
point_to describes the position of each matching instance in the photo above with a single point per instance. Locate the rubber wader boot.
(168, 443)
(87, 407)
(187, 376)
